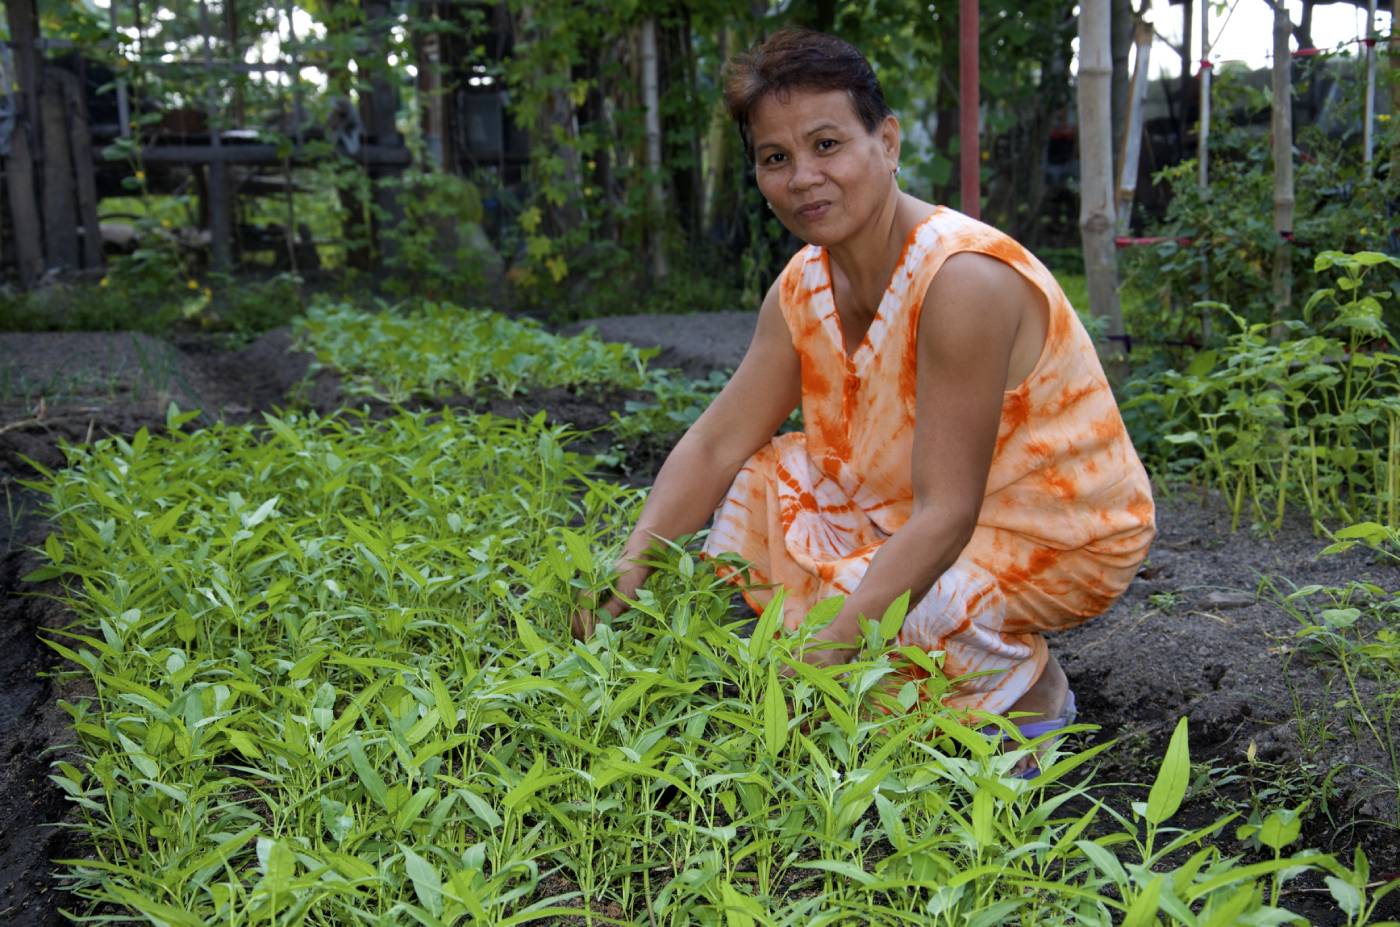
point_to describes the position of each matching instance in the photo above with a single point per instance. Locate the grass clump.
(328, 680)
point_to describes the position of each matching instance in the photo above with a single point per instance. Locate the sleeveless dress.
(1067, 515)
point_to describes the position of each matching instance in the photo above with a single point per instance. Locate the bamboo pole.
(1367, 131)
(220, 217)
(1203, 147)
(1203, 136)
(123, 104)
(298, 116)
(651, 103)
(969, 104)
(1132, 132)
(1282, 127)
(1096, 222)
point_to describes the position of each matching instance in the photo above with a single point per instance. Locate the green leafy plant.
(437, 349)
(328, 678)
(1313, 419)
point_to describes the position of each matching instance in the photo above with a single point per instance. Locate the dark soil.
(1198, 634)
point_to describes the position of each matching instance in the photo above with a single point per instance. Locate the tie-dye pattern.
(1067, 516)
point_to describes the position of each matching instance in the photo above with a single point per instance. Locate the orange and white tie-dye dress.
(1067, 516)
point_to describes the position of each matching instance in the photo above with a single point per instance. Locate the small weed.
(1167, 600)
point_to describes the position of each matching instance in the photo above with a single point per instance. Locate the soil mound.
(696, 344)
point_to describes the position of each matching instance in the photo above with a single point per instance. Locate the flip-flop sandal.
(1041, 728)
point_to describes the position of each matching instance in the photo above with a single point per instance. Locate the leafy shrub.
(1227, 238)
(438, 251)
(1313, 419)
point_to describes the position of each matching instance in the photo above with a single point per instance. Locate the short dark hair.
(801, 59)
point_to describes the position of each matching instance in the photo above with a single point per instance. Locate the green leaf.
(775, 715)
(1143, 911)
(174, 418)
(427, 883)
(840, 867)
(1104, 861)
(369, 776)
(579, 550)
(244, 744)
(1167, 793)
(279, 866)
(768, 624)
(54, 549)
(893, 619)
(1345, 894)
(1281, 827)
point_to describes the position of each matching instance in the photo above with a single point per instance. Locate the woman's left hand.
(830, 649)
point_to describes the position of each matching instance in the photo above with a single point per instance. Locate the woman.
(961, 439)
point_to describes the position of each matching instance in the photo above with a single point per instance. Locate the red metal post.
(969, 143)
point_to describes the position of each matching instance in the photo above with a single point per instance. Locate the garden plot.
(572, 777)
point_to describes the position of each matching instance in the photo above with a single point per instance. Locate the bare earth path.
(1190, 637)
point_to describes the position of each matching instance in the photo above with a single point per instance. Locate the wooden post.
(656, 196)
(1096, 166)
(1282, 127)
(1132, 133)
(20, 185)
(21, 182)
(85, 176)
(1367, 130)
(969, 122)
(220, 216)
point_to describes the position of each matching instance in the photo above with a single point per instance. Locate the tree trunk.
(59, 196)
(427, 56)
(656, 195)
(969, 106)
(1282, 126)
(23, 19)
(1096, 169)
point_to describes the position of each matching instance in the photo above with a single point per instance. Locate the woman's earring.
(895, 171)
(770, 205)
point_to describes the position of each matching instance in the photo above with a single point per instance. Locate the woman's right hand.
(585, 618)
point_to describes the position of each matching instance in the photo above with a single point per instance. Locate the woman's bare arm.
(700, 468)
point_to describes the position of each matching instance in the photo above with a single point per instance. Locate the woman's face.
(823, 173)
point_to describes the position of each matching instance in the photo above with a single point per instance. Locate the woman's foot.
(1046, 701)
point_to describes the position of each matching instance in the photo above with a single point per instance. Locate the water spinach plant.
(433, 349)
(1311, 419)
(320, 673)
